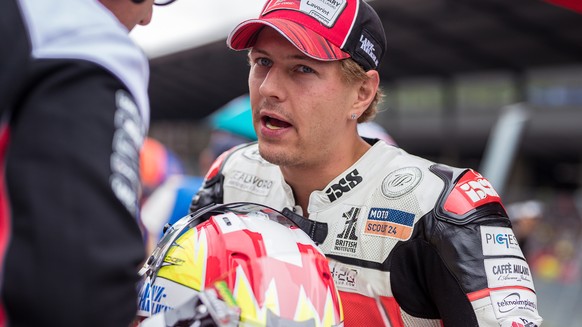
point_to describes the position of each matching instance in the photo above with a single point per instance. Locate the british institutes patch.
(346, 242)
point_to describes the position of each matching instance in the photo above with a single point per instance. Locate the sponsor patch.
(499, 241)
(513, 303)
(346, 242)
(344, 185)
(508, 272)
(368, 46)
(389, 223)
(344, 277)
(249, 183)
(401, 182)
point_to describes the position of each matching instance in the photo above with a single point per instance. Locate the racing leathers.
(433, 242)
(73, 115)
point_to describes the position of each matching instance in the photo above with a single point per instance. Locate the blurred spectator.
(157, 163)
(231, 125)
(555, 242)
(525, 217)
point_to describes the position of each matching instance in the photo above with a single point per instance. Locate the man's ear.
(367, 90)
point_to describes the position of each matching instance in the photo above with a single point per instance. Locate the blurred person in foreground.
(73, 115)
(433, 241)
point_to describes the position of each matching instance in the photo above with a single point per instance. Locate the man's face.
(300, 105)
(129, 13)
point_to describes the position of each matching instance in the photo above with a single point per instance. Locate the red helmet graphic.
(251, 259)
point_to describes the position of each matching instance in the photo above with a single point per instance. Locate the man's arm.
(476, 244)
(467, 269)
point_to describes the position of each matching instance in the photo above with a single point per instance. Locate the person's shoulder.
(468, 196)
(396, 157)
(462, 194)
(84, 30)
(75, 29)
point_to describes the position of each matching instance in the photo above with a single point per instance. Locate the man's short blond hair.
(353, 72)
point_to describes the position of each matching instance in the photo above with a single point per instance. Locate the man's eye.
(263, 62)
(305, 69)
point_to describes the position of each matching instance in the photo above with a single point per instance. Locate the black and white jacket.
(433, 241)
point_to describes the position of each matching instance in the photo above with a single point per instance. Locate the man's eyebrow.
(300, 56)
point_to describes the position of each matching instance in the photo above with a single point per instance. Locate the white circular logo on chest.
(401, 181)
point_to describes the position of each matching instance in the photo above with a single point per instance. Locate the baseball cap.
(322, 29)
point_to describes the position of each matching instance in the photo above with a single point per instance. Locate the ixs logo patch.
(471, 191)
(347, 240)
(508, 272)
(249, 183)
(499, 241)
(389, 223)
(477, 189)
(400, 182)
(344, 185)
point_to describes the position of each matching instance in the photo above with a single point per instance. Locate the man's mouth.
(274, 123)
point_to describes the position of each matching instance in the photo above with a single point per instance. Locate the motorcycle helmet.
(251, 258)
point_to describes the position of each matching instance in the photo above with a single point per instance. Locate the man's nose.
(273, 86)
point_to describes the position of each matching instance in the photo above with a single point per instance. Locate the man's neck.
(304, 180)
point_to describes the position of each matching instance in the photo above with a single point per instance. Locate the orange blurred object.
(153, 163)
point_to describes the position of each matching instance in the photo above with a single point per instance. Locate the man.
(73, 115)
(433, 241)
